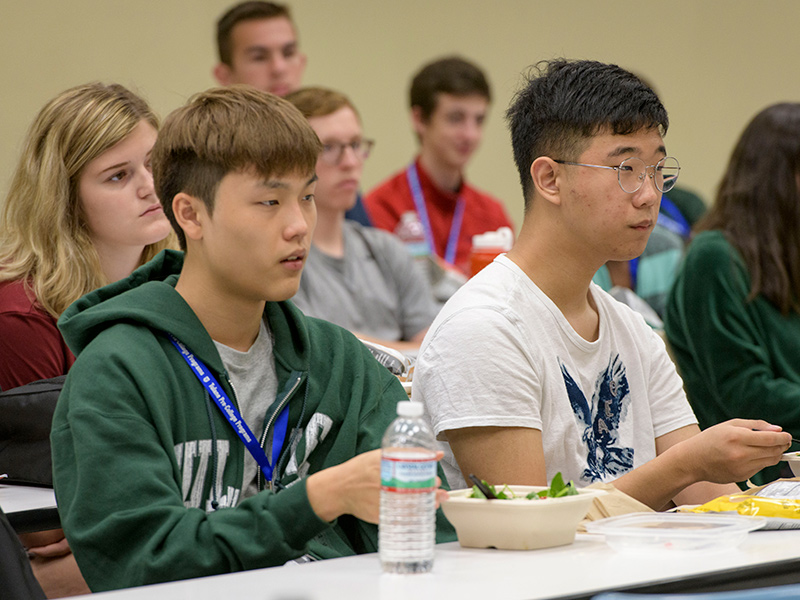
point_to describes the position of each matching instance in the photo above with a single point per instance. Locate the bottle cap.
(406, 408)
(500, 239)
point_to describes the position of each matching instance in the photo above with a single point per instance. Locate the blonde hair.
(44, 238)
(225, 130)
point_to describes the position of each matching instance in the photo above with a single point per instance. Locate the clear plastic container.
(407, 529)
(639, 532)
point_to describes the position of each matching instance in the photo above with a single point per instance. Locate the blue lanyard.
(633, 266)
(673, 219)
(422, 211)
(232, 415)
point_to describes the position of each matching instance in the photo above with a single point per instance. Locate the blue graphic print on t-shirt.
(601, 419)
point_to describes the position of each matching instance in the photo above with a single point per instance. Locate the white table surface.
(586, 566)
(18, 498)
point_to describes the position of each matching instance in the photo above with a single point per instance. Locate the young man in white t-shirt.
(531, 369)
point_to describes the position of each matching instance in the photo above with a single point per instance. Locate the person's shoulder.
(15, 297)
(709, 250)
(492, 296)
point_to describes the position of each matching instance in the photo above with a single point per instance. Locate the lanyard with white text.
(419, 202)
(232, 415)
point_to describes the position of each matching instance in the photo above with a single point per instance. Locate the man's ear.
(190, 214)
(418, 122)
(223, 74)
(546, 179)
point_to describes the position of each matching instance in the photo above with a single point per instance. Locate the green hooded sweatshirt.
(148, 472)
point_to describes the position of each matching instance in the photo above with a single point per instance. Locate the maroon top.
(31, 347)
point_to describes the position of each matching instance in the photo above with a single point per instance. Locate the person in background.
(733, 317)
(257, 44)
(449, 99)
(234, 168)
(530, 369)
(360, 278)
(81, 212)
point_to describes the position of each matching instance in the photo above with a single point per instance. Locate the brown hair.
(224, 130)
(44, 238)
(319, 101)
(452, 75)
(758, 204)
(245, 11)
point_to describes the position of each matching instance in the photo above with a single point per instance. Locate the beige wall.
(715, 63)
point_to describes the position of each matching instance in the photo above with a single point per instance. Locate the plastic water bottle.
(411, 231)
(407, 530)
(486, 246)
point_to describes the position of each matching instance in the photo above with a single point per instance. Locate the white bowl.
(793, 458)
(517, 524)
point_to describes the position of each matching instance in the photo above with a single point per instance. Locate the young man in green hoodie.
(156, 476)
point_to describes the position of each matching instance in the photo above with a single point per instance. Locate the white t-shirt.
(500, 353)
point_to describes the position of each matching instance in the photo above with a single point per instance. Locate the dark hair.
(225, 130)
(564, 103)
(245, 11)
(758, 204)
(452, 75)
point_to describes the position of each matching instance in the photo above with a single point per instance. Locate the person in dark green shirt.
(733, 316)
(154, 482)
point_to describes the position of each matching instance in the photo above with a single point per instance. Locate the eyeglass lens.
(332, 153)
(632, 173)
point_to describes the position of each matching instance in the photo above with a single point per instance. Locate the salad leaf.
(557, 489)
(504, 494)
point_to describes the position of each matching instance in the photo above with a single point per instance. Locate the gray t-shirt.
(375, 289)
(255, 384)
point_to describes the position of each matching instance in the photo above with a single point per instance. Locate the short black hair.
(452, 75)
(564, 103)
(251, 10)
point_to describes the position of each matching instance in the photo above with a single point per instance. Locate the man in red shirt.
(449, 100)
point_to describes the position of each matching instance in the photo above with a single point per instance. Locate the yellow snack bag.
(753, 506)
(779, 499)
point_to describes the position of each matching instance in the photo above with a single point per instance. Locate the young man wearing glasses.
(360, 278)
(531, 369)
(449, 100)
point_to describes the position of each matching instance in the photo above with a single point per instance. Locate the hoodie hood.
(148, 297)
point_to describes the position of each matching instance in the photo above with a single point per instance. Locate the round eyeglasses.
(332, 152)
(632, 172)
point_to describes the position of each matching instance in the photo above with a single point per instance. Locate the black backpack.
(26, 414)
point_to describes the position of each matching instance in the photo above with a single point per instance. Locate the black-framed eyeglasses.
(332, 152)
(632, 172)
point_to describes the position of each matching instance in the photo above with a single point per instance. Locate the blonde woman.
(81, 212)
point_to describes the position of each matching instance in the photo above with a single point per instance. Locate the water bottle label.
(417, 249)
(404, 475)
